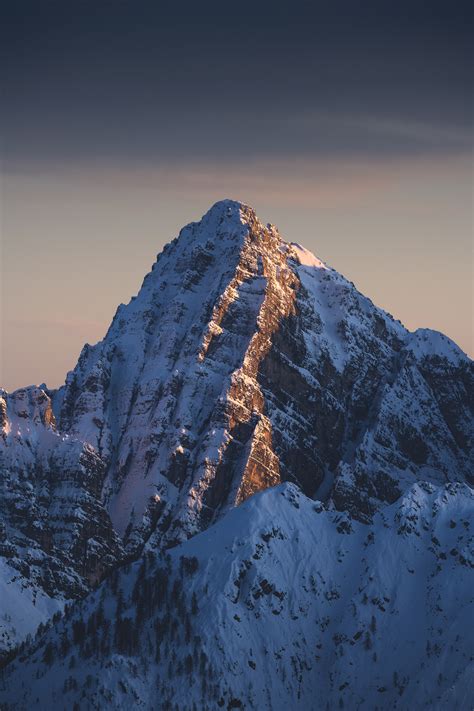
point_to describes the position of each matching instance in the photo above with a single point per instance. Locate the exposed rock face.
(171, 397)
(360, 407)
(243, 361)
(55, 534)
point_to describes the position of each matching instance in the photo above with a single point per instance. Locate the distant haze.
(350, 129)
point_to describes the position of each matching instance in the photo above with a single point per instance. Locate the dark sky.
(146, 80)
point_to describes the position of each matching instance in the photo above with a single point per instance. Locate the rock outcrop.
(56, 537)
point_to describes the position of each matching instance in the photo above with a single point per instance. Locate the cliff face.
(56, 538)
(243, 362)
(171, 397)
(360, 407)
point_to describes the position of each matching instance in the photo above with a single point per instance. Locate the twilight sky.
(349, 125)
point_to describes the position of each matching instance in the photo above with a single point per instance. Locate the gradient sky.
(349, 125)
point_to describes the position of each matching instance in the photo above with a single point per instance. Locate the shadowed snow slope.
(281, 604)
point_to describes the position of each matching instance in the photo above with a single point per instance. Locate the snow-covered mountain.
(243, 362)
(281, 604)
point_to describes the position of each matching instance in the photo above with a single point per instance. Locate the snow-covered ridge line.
(306, 258)
(282, 604)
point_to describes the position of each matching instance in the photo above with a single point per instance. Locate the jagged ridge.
(280, 605)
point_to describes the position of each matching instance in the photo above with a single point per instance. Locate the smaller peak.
(425, 342)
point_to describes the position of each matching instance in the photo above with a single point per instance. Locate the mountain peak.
(229, 208)
(231, 217)
(185, 399)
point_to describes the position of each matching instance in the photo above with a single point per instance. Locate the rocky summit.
(243, 364)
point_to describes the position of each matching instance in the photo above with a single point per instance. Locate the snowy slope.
(24, 606)
(282, 604)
